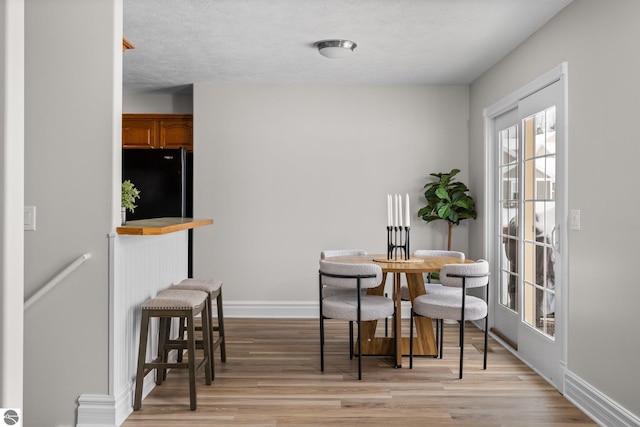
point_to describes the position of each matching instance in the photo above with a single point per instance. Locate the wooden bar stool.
(213, 288)
(165, 306)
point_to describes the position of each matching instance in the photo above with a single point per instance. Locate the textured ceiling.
(181, 42)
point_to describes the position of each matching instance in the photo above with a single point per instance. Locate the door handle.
(554, 242)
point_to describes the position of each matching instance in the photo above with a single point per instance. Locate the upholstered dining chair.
(330, 253)
(327, 254)
(432, 287)
(350, 304)
(330, 291)
(461, 307)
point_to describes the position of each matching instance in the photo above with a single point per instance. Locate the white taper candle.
(407, 219)
(395, 210)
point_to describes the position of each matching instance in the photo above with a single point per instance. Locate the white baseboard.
(272, 309)
(96, 410)
(282, 310)
(124, 402)
(596, 405)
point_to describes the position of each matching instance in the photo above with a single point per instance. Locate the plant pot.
(123, 216)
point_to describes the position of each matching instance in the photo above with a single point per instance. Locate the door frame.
(558, 73)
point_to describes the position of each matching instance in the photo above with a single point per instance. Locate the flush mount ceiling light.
(335, 48)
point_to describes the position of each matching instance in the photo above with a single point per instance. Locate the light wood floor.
(272, 378)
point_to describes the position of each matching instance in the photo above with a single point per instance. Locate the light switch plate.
(30, 218)
(574, 220)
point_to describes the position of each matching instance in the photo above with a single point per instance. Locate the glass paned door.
(535, 192)
(528, 187)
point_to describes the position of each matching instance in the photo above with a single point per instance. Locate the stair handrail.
(57, 279)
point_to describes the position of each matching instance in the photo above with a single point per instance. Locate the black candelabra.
(397, 240)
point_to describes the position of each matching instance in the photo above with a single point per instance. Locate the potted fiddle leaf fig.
(128, 202)
(447, 200)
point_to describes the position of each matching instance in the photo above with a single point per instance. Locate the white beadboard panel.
(142, 266)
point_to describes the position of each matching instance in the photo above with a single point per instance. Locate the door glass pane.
(509, 170)
(539, 179)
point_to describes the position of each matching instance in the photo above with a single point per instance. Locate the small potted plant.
(129, 195)
(447, 200)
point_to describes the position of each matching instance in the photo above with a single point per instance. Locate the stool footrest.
(217, 342)
(213, 288)
(168, 365)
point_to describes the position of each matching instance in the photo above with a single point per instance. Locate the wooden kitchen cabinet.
(157, 131)
(139, 133)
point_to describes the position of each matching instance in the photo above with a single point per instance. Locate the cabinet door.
(139, 133)
(176, 133)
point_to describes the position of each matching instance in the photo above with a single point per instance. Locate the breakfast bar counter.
(156, 226)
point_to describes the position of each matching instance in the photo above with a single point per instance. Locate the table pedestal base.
(424, 343)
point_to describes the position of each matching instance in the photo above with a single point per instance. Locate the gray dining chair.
(327, 254)
(461, 307)
(350, 303)
(330, 291)
(432, 287)
(330, 253)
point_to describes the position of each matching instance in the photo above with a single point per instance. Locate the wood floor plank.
(272, 378)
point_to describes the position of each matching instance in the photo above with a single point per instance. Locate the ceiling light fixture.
(335, 48)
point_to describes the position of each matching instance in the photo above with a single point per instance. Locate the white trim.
(511, 101)
(272, 309)
(124, 402)
(563, 230)
(96, 410)
(12, 147)
(111, 308)
(596, 405)
(489, 191)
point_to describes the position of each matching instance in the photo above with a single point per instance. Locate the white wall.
(598, 40)
(286, 171)
(11, 201)
(72, 109)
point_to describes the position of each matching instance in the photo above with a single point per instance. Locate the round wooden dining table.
(414, 268)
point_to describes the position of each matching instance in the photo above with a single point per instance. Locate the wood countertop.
(157, 226)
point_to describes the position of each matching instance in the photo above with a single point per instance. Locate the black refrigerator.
(165, 180)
